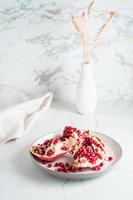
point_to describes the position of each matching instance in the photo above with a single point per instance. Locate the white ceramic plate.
(112, 148)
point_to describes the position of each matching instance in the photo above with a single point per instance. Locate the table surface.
(20, 178)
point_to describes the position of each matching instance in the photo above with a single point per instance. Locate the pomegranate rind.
(47, 158)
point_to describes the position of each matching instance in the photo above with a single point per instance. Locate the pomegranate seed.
(78, 132)
(96, 168)
(44, 162)
(99, 156)
(70, 169)
(67, 165)
(55, 141)
(50, 152)
(49, 165)
(56, 165)
(59, 169)
(61, 164)
(39, 151)
(64, 148)
(74, 169)
(79, 169)
(47, 142)
(110, 158)
(101, 164)
(71, 151)
(64, 170)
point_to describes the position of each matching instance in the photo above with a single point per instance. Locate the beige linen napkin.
(18, 112)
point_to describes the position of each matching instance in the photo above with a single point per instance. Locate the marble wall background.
(41, 51)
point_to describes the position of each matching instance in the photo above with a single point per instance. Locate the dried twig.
(79, 23)
(103, 13)
(90, 7)
(103, 28)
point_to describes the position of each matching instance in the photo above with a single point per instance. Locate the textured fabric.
(18, 112)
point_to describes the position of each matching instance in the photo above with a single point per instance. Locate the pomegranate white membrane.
(86, 97)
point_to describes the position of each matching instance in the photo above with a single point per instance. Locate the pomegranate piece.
(71, 138)
(50, 150)
(70, 131)
(91, 152)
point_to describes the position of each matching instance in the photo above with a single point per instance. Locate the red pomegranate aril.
(101, 164)
(40, 151)
(59, 169)
(78, 132)
(55, 141)
(74, 169)
(71, 152)
(64, 170)
(99, 156)
(49, 165)
(79, 169)
(50, 152)
(67, 165)
(110, 158)
(47, 142)
(96, 168)
(92, 161)
(64, 148)
(56, 165)
(61, 164)
(44, 162)
(62, 139)
(70, 169)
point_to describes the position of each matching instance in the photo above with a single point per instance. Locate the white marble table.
(21, 179)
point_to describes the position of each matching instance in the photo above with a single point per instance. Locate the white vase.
(86, 97)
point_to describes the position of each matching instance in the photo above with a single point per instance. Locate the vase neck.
(86, 67)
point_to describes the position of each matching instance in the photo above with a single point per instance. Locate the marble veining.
(41, 51)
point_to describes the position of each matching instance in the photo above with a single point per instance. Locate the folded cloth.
(18, 112)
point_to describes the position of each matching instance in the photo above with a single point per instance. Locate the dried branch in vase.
(90, 7)
(80, 25)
